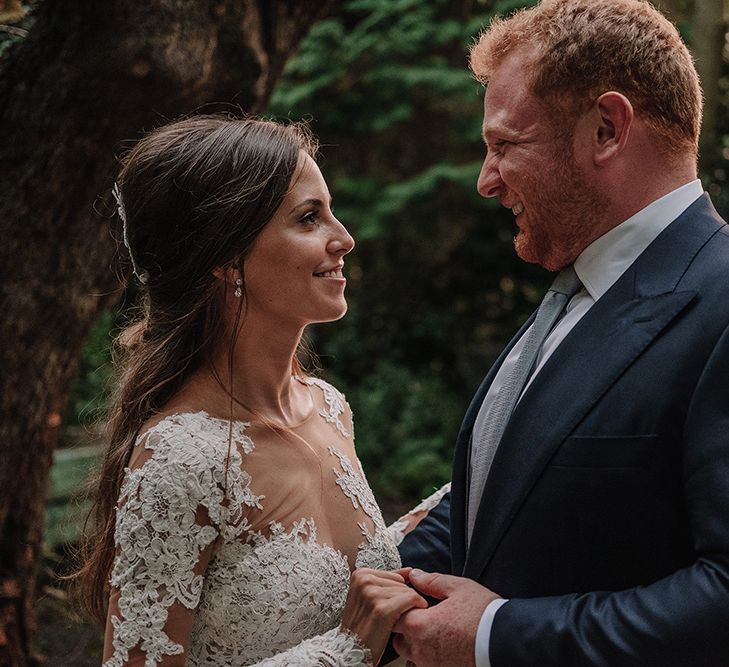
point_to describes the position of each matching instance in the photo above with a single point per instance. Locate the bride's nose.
(341, 242)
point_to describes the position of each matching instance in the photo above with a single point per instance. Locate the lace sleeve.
(409, 521)
(171, 509)
(336, 648)
(159, 538)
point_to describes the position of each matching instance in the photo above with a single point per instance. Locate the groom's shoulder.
(711, 262)
(700, 240)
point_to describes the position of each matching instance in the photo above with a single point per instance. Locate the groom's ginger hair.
(578, 49)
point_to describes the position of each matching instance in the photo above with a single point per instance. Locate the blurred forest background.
(435, 288)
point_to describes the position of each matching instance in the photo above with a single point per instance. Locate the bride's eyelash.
(310, 218)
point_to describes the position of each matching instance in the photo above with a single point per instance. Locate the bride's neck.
(261, 379)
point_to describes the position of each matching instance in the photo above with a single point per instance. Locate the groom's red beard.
(561, 216)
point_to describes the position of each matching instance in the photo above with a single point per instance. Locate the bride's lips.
(331, 273)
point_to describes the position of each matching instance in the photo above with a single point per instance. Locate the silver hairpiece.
(142, 276)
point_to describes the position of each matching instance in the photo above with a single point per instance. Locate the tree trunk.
(88, 76)
(708, 45)
(706, 18)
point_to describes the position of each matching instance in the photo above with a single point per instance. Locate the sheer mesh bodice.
(243, 557)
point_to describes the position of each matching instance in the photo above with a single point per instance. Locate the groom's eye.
(496, 146)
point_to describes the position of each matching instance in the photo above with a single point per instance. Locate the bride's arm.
(375, 601)
(170, 515)
(164, 538)
(408, 522)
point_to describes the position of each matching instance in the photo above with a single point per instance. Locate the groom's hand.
(444, 634)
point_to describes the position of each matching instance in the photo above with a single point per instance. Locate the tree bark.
(708, 28)
(708, 45)
(88, 76)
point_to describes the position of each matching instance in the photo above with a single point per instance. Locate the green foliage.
(89, 393)
(715, 176)
(406, 426)
(435, 288)
(434, 285)
(67, 507)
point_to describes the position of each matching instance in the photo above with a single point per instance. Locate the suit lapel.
(543, 419)
(634, 311)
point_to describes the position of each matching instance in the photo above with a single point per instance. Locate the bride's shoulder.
(184, 460)
(326, 387)
(334, 406)
(193, 437)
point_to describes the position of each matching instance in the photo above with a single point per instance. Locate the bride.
(233, 524)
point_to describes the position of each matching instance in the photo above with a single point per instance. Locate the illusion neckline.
(245, 423)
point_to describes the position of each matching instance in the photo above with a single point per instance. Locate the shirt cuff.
(483, 634)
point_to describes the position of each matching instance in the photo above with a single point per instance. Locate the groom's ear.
(612, 116)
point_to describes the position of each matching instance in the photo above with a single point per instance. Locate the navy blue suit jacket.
(605, 517)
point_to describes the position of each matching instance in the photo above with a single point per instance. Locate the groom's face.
(530, 166)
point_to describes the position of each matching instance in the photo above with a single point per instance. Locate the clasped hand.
(379, 603)
(445, 633)
(376, 599)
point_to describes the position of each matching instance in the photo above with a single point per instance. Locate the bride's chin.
(336, 314)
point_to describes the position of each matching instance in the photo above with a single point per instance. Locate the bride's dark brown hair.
(196, 194)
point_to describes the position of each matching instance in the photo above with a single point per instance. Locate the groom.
(589, 516)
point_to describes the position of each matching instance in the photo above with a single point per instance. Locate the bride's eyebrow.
(309, 203)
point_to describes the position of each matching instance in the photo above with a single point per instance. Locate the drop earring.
(238, 288)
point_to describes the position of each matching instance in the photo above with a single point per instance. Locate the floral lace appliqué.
(335, 403)
(267, 600)
(274, 593)
(378, 550)
(355, 487)
(397, 529)
(159, 541)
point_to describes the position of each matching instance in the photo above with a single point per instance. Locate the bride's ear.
(229, 274)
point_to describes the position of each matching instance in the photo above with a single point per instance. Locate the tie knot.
(566, 282)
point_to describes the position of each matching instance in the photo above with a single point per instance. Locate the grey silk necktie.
(484, 446)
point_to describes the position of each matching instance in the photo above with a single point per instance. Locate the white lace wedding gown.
(244, 558)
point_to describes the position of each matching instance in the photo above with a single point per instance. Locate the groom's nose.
(489, 180)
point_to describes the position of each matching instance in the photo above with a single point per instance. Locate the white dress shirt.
(598, 267)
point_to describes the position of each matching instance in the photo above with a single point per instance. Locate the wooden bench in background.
(67, 505)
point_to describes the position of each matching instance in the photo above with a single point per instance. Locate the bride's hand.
(375, 601)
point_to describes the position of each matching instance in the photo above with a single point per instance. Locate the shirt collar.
(601, 264)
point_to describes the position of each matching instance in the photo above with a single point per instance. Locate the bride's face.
(294, 271)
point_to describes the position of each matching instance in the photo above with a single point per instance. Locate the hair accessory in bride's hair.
(142, 276)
